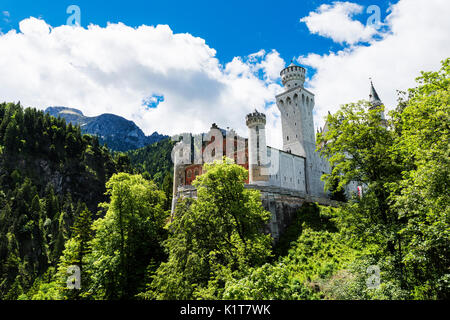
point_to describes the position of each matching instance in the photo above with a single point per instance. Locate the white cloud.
(417, 40)
(335, 22)
(34, 27)
(6, 13)
(272, 65)
(117, 69)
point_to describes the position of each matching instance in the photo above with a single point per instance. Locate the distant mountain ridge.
(117, 132)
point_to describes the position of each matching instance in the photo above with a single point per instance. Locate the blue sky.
(232, 28)
(179, 66)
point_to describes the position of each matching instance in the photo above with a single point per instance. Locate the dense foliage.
(53, 181)
(403, 218)
(48, 172)
(216, 237)
(154, 162)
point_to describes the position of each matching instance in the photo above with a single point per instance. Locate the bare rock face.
(118, 133)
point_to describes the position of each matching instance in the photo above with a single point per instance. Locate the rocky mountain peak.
(117, 132)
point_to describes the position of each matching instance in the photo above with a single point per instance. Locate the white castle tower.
(257, 148)
(296, 106)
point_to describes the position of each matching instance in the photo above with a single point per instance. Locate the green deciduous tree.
(214, 237)
(403, 217)
(128, 238)
(359, 147)
(422, 197)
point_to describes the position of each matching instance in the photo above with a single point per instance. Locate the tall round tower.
(293, 76)
(257, 148)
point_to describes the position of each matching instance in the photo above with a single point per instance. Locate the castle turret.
(375, 100)
(296, 105)
(293, 76)
(257, 148)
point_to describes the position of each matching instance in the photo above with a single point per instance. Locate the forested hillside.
(154, 162)
(49, 174)
(390, 242)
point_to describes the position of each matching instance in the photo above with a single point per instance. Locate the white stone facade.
(286, 178)
(298, 166)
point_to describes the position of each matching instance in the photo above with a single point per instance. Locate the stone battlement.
(255, 118)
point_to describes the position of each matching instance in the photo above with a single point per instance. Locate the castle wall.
(316, 166)
(282, 203)
(287, 170)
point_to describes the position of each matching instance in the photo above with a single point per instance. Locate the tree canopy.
(214, 237)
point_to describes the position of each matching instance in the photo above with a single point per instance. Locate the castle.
(286, 178)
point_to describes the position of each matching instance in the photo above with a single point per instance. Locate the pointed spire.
(374, 98)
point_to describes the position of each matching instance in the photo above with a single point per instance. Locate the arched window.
(189, 174)
(288, 100)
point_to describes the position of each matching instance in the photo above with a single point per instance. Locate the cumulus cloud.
(335, 21)
(271, 64)
(165, 82)
(173, 83)
(416, 40)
